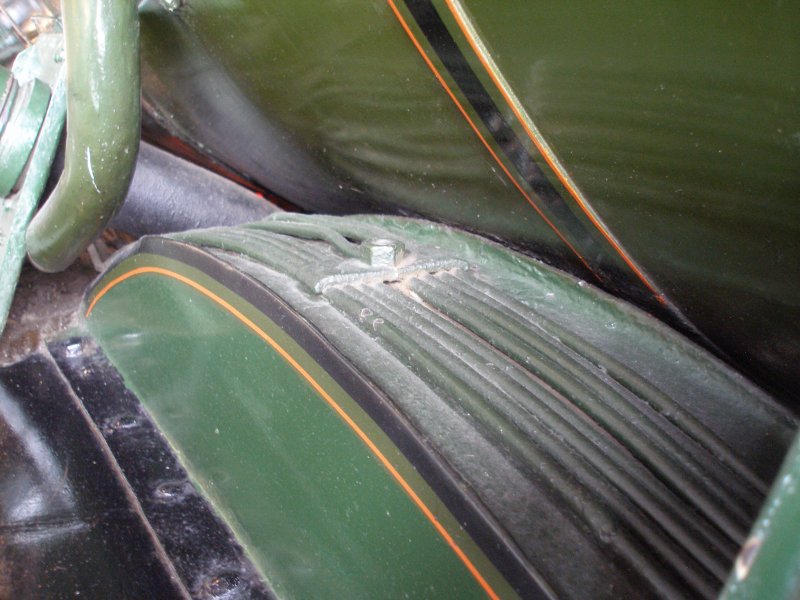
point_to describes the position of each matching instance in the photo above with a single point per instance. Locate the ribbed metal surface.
(642, 486)
(609, 483)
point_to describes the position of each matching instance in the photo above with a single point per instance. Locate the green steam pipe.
(103, 130)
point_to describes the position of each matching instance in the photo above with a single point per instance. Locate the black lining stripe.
(430, 23)
(466, 509)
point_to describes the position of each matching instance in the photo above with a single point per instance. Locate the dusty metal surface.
(44, 306)
(69, 526)
(200, 549)
(620, 458)
(42, 61)
(93, 501)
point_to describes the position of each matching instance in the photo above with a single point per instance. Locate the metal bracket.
(43, 63)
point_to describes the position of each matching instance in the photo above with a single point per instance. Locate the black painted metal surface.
(93, 503)
(202, 550)
(68, 527)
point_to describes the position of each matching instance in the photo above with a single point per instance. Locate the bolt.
(74, 349)
(383, 252)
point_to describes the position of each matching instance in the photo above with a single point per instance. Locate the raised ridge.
(633, 474)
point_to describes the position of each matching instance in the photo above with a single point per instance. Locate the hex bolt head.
(383, 252)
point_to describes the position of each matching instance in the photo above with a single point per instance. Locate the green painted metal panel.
(608, 452)
(677, 124)
(768, 565)
(341, 85)
(43, 61)
(314, 508)
(24, 109)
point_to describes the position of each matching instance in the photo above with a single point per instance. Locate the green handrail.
(103, 130)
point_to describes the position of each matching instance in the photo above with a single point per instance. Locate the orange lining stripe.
(463, 112)
(319, 389)
(546, 153)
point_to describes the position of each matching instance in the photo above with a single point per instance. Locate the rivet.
(171, 490)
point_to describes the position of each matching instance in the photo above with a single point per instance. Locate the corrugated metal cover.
(619, 457)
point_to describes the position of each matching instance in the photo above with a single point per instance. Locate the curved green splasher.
(677, 123)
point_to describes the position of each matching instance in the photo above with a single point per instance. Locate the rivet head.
(383, 252)
(171, 490)
(124, 422)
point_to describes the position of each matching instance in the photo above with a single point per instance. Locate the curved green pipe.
(103, 129)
